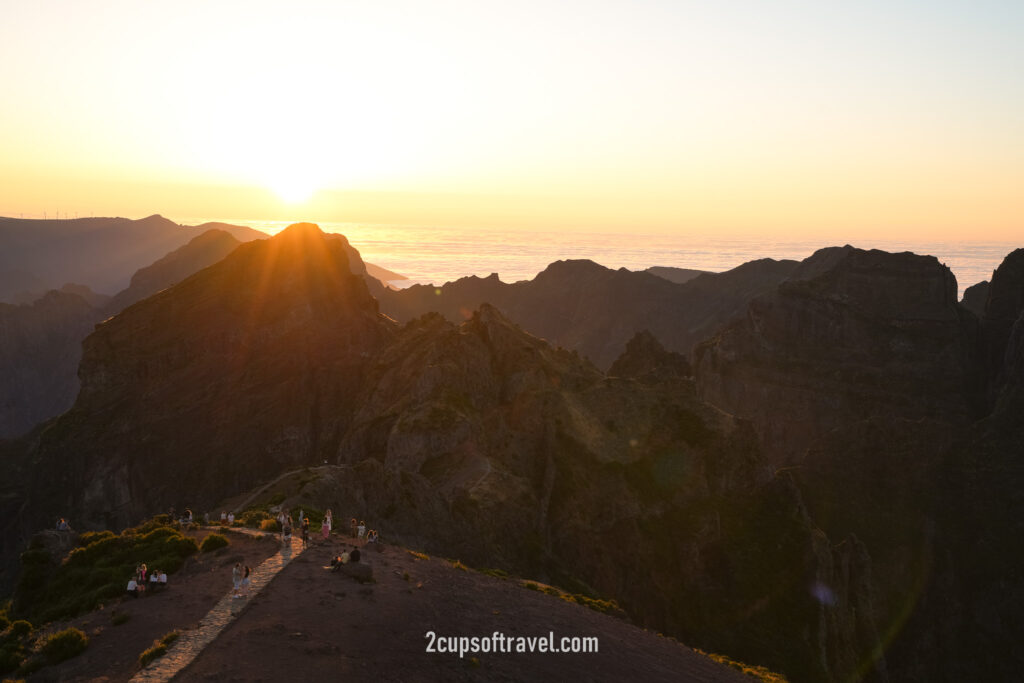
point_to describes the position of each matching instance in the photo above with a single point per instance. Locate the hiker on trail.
(223, 517)
(355, 525)
(286, 530)
(325, 528)
(305, 532)
(231, 519)
(245, 581)
(301, 516)
(236, 580)
(362, 529)
(206, 519)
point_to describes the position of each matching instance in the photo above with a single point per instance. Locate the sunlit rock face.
(247, 367)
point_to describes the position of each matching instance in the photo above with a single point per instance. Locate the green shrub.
(90, 537)
(10, 659)
(99, 570)
(18, 630)
(65, 644)
(213, 542)
(253, 518)
(270, 525)
(159, 648)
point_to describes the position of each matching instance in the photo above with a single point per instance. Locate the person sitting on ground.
(353, 556)
(362, 529)
(154, 579)
(340, 560)
(371, 537)
(133, 588)
(163, 579)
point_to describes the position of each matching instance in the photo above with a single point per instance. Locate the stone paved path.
(191, 642)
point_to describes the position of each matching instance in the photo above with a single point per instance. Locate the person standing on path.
(236, 580)
(355, 524)
(245, 582)
(325, 529)
(305, 532)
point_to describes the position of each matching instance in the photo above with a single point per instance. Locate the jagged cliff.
(595, 310)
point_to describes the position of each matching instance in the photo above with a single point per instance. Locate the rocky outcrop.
(851, 335)
(975, 298)
(594, 310)
(234, 374)
(647, 360)
(677, 275)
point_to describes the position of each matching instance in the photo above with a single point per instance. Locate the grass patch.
(458, 565)
(270, 525)
(758, 672)
(213, 542)
(159, 648)
(496, 573)
(65, 644)
(419, 556)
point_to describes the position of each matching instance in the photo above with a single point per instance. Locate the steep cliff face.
(595, 310)
(851, 335)
(244, 369)
(40, 347)
(863, 373)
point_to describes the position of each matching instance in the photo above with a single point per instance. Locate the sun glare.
(293, 190)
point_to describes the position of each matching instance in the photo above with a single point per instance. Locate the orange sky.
(783, 119)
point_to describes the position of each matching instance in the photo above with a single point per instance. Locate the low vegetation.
(159, 648)
(65, 644)
(214, 542)
(52, 588)
(758, 672)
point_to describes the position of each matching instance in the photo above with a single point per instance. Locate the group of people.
(157, 579)
(358, 530)
(345, 558)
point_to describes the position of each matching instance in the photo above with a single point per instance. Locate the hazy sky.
(897, 118)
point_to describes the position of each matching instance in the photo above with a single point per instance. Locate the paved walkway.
(191, 642)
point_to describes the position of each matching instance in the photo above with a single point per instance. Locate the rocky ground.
(312, 624)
